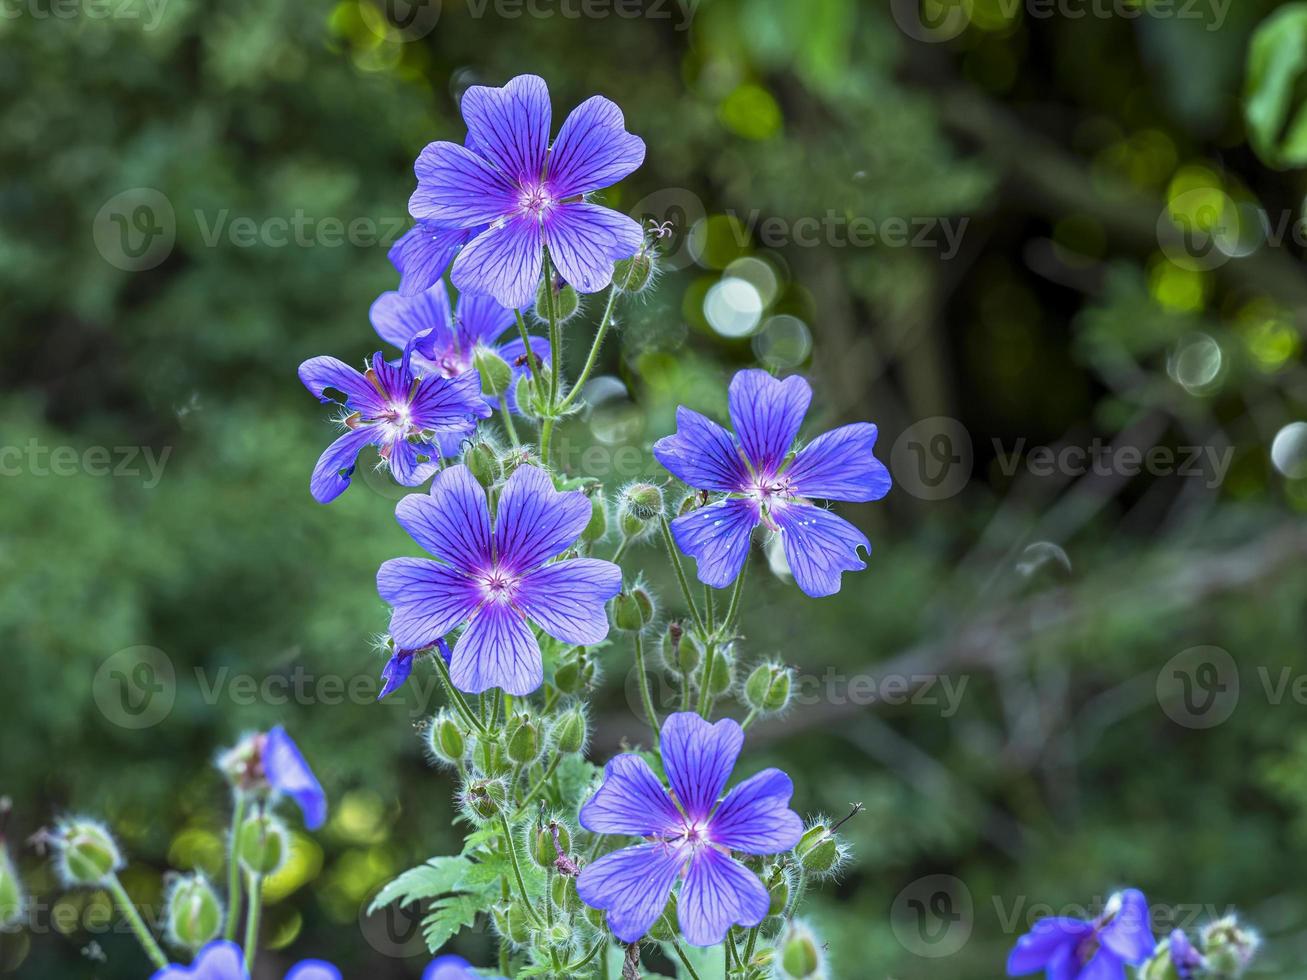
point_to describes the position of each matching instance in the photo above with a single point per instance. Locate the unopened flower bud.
(767, 688)
(495, 373)
(639, 509)
(634, 274)
(87, 853)
(688, 503)
(483, 799)
(527, 396)
(194, 912)
(778, 891)
(445, 739)
(557, 935)
(633, 609)
(482, 459)
(570, 731)
(262, 844)
(723, 674)
(490, 756)
(512, 923)
(598, 526)
(800, 953)
(566, 301)
(12, 901)
(545, 848)
(575, 675)
(525, 742)
(595, 917)
(1229, 947)
(820, 852)
(563, 893)
(681, 650)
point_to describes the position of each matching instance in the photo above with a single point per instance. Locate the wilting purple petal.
(566, 599)
(633, 885)
(313, 970)
(395, 673)
(593, 149)
(717, 538)
(397, 318)
(335, 466)
(480, 320)
(702, 454)
(503, 262)
(1130, 934)
(427, 599)
(819, 547)
(1046, 939)
(699, 757)
(423, 253)
(766, 413)
(322, 373)
(510, 125)
(497, 649)
(288, 773)
(756, 817)
(719, 892)
(840, 465)
(630, 800)
(453, 521)
(219, 960)
(458, 187)
(534, 522)
(585, 240)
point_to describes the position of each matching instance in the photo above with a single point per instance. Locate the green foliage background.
(1061, 141)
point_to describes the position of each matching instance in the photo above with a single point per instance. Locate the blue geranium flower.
(1099, 949)
(287, 772)
(689, 836)
(515, 193)
(765, 485)
(223, 960)
(400, 666)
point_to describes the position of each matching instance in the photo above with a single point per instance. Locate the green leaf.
(447, 917)
(1274, 109)
(437, 877)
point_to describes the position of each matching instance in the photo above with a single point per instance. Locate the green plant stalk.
(509, 427)
(748, 949)
(520, 812)
(234, 868)
(645, 696)
(133, 917)
(680, 574)
(593, 357)
(680, 952)
(255, 886)
(705, 688)
(526, 343)
(733, 609)
(455, 698)
(517, 871)
(599, 944)
(555, 355)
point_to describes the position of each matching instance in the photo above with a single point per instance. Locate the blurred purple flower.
(400, 666)
(1073, 949)
(496, 581)
(530, 194)
(690, 836)
(394, 410)
(223, 960)
(288, 773)
(766, 486)
(1186, 960)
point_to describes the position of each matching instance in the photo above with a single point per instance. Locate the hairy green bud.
(566, 301)
(570, 731)
(262, 844)
(722, 677)
(768, 687)
(639, 509)
(563, 893)
(494, 371)
(1229, 947)
(800, 953)
(820, 852)
(87, 853)
(483, 460)
(778, 890)
(633, 609)
(483, 799)
(598, 526)
(634, 274)
(195, 914)
(445, 738)
(544, 851)
(681, 651)
(13, 903)
(525, 742)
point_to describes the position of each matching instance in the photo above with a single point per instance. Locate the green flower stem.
(749, 719)
(233, 867)
(255, 886)
(705, 687)
(645, 696)
(680, 575)
(733, 609)
(680, 952)
(599, 944)
(133, 917)
(517, 871)
(509, 427)
(555, 355)
(621, 550)
(748, 949)
(710, 608)
(455, 698)
(526, 343)
(593, 356)
(520, 812)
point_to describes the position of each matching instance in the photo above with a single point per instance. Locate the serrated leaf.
(486, 872)
(448, 917)
(437, 877)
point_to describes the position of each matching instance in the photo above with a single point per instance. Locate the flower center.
(397, 417)
(498, 585)
(535, 200)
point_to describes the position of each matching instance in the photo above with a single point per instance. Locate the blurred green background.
(199, 196)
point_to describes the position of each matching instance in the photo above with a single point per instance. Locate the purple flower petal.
(335, 466)
(1104, 965)
(321, 373)
(633, 885)
(480, 320)
(219, 960)
(392, 380)
(1065, 965)
(423, 253)
(453, 522)
(313, 970)
(840, 465)
(593, 149)
(698, 758)
(444, 404)
(427, 599)
(503, 262)
(717, 538)
(1130, 935)
(449, 968)
(509, 126)
(630, 800)
(756, 817)
(766, 413)
(497, 649)
(457, 188)
(412, 464)
(534, 522)
(585, 240)
(702, 454)
(566, 599)
(288, 773)
(819, 547)
(719, 892)
(397, 318)
(1036, 949)
(395, 673)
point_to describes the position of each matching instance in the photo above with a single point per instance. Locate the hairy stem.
(509, 427)
(645, 696)
(133, 917)
(456, 698)
(511, 844)
(255, 887)
(233, 867)
(680, 575)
